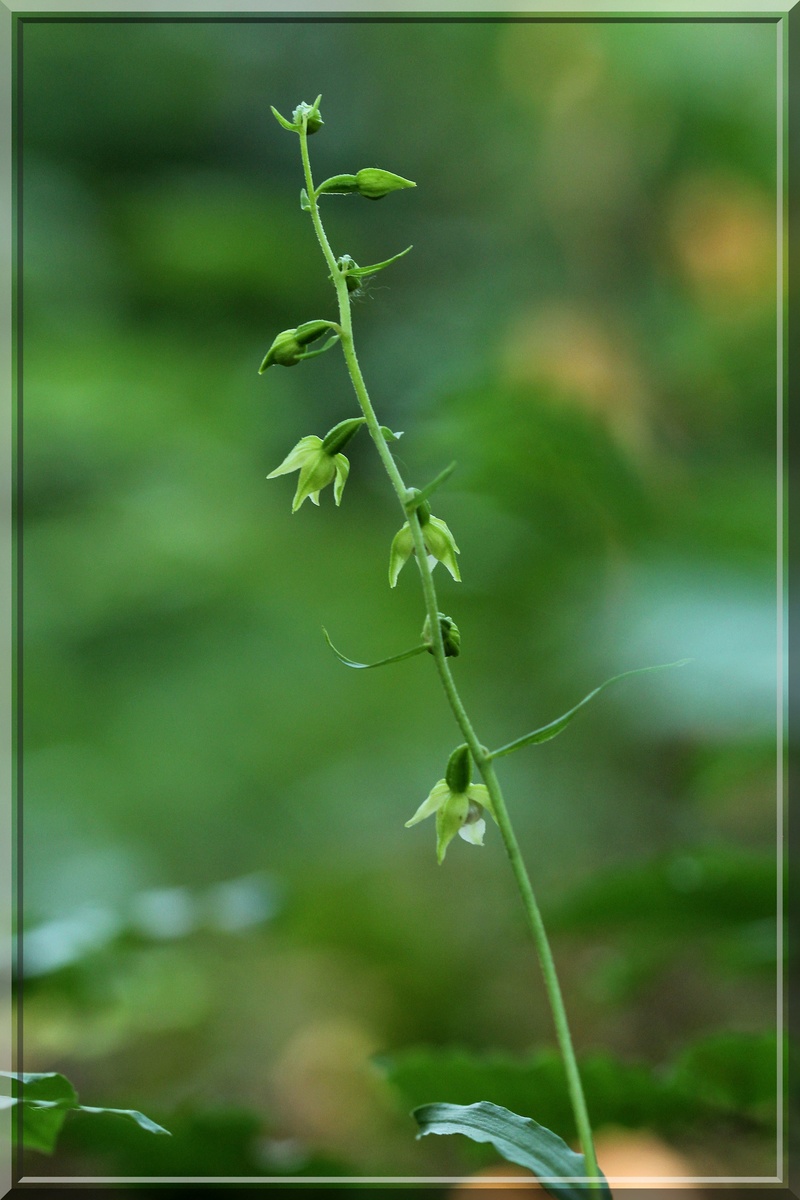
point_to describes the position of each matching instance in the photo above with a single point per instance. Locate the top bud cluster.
(320, 461)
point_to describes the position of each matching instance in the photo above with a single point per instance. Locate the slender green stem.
(479, 752)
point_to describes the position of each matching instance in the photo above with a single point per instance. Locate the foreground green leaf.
(46, 1099)
(519, 1140)
(546, 732)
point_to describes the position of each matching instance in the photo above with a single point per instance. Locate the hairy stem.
(479, 752)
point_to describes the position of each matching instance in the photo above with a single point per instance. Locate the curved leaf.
(520, 1140)
(132, 1115)
(348, 662)
(282, 120)
(546, 732)
(361, 272)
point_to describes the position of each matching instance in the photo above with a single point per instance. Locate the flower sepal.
(318, 467)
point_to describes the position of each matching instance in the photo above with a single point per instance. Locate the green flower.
(439, 543)
(458, 804)
(375, 184)
(317, 469)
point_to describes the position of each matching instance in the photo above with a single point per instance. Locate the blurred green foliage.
(587, 325)
(729, 1077)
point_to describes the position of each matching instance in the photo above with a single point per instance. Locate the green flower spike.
(439, 542)
(458, 804)
(319, 462)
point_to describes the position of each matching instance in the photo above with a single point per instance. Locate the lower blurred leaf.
(726, 1075)
(215, 1142)
(731, 1071)
(710, 889)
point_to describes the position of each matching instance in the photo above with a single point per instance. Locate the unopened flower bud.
(311, 112)
(374, 183)
(289, 346)
(451, 638)
(285, 351)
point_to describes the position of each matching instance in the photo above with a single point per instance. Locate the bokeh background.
(227, 924)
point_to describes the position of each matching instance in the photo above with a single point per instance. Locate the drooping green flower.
(439, 543)
(291, 346)
(317, 469)
(458, 804)
(319, 462)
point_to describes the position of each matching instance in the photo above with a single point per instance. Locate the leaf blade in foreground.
(519, 1140)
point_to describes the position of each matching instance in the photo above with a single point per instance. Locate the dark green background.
(587, 324)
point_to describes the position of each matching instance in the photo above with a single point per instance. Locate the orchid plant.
(459, 805)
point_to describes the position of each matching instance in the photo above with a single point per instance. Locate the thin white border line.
(779, 248)
(265, 1180)
(616, 1180)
